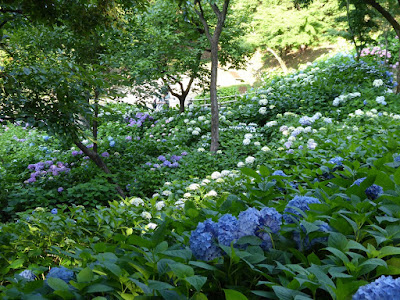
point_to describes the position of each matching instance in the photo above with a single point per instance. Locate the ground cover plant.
(300, 202)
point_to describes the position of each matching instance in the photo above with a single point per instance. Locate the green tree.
(57, 66)
(170, 44)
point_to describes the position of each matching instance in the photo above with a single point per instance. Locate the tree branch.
(6, 10)
(203, 20)
(385, 14)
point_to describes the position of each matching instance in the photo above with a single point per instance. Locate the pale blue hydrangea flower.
(28, 275)
(336, 161)
(383, 288)
(203, 241)
(299, 202)
(279, 173)
(227, 229)
(270, 221)
(397, 158)
(62, 273)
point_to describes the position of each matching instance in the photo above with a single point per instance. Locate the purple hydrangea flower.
(60, 189)
(184, 153)
(128, 138)
(161, 158)
(105, 154)
(383, 288)
(298, 202)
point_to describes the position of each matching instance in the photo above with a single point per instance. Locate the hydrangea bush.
(301, 201)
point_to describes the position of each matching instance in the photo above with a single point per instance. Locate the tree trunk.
(101, 164)
(280, 60)
(182, 103)
(213, 97)
(398, 72)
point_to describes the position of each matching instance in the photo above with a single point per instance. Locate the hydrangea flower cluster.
(28, 275)
(336, 161)
(373, 191)
(172, 162)
(344, 98)
(62, 273)
(305, 243)
(291, 212)
(46, 168)
(305, 121)
(251, 222)
(139, 119)
(383, 288)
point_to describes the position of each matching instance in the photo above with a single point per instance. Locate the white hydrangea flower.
(358, 112)
(225, 173)
(291, 138)
(205, 181)
(155, 195)
(262, 110)
(246, 142)
(257, 144)
(263, 102)
(216, 175)
(180, 203)
(201, 118)
(381, 100)
(271, 123)
(186, 121)
(187, 195)
(265, 149)
(160, 205)
(167, 193)
(152, 225)
(211, 193)
(195, 132)
(193, 187)
(136, 201)
(220, 180)
(249, 160)
(248, 136)
(377, 82)
(167, 183)
(201, 149)
(240, 164)
(146, 215)
(192, 122)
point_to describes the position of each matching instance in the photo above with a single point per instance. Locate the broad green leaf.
(234, 295)
(99, 288)
(86, 275)
(196, 281)
(181, 270)
(57, 284)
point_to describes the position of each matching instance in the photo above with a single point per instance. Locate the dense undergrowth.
(300, 202)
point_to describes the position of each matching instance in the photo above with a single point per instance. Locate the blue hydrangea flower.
(249, 221)
(384, 288)
(62, 273)
(112, 143)
(279, 173)
(336, 161)
(306, 243)
(374, 191)
(227, 229)
(161, 158)
(358, 181)
(270, 221)
(397, 158)
(54, 211)
(28, 275)
(299, 202)
(110, 138)
(46, 137)
(203, 241)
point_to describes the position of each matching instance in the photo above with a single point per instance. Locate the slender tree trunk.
(213, 97)
(279, 59)
(95, 157)
(182, 103)
(96, 115)
(398, 73)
